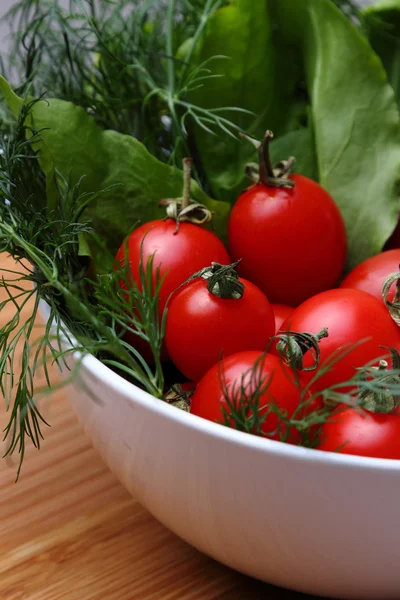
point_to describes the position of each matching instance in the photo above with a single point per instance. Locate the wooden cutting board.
(70, 531)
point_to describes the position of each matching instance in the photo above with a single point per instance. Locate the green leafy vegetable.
(382, 24)
(49, 267)
(298, 143)
(76, 147)
(117, 60)
(245, 75)
(342, 124)
(354, 118)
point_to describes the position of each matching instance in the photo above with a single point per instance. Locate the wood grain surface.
(70, 531)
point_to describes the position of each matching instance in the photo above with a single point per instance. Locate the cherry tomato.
(236, 372)
(178, 256)
(370, 274)
(281, 313)
(350, 316)
(363, 434)
(292, 242)
(201, 328)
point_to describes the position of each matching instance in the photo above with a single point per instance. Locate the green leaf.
(75, 146)
(351, 144)
(243, 33)
(14, 102)
(298, 143)
(354, 119)
(382, 24)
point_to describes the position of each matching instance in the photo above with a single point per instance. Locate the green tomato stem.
(187, 170)
(268, 175)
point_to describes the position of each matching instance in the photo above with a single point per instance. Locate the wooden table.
(70, 531)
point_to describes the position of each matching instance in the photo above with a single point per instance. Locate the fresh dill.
(85, 315)
(128, 64)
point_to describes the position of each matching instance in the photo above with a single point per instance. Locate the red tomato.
(370, 274)
(350, 316)
(202, 327)
(208, 399)
(281, 313)
(292, 242)
(179, 256)
(363, 434)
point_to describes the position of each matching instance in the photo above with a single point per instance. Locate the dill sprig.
(129, 64)
(83, 315)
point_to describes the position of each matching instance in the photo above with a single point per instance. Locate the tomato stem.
(379, 399)
(186, 209)
(187, 171)
(393, 307)
(224, 282)
(397, 294)
(266, 171)
(293, 345)
(278, 176)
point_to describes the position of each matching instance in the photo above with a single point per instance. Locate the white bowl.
(311, 521)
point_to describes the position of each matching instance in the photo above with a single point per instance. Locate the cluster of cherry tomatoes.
(287, 239)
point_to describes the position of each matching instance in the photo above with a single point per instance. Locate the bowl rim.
(135, 395)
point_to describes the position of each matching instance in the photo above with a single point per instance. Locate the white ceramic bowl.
(315, 522)
(303, 519)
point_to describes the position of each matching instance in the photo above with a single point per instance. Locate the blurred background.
(5, 5)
